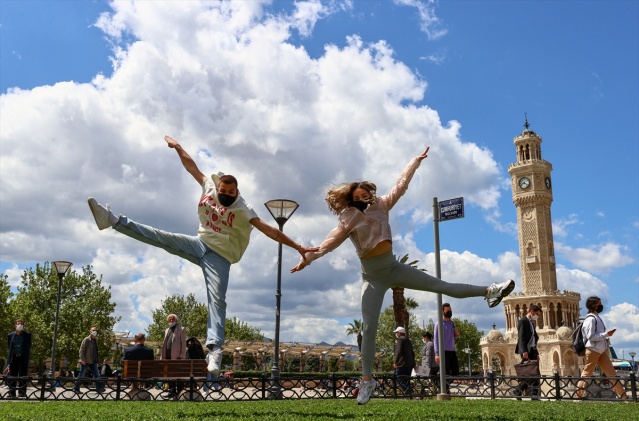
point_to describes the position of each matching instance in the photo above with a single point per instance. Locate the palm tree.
(356, 328)
(401, 305)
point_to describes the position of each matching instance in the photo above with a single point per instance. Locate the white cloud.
(222, 78)
(437, 58)
(307, 13)
(598, 259)
(582, 282)
(431, 25)
(625, 318)
(560, 225)
(13, 275)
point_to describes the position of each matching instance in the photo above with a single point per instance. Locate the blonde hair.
(340, 197)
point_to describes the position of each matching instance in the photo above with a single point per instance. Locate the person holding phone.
(596, 336)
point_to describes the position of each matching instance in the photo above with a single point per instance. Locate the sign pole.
(443, 391)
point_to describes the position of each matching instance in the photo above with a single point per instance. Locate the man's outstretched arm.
(277, 235)
(186, 159)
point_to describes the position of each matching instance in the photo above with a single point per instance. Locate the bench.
(162, 370)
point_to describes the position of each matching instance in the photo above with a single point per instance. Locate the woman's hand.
(424, 154)
(303, 250)
(300, 266)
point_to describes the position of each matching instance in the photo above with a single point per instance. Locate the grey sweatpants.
(380, 273)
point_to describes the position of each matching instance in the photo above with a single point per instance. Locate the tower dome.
(495, 336)
(564, 333)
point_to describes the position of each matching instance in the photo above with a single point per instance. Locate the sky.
(293, 97)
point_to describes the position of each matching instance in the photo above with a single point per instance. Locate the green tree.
(84, 303)
(237, 330)
(386, 337)
(356, 328)
(401, 305)
(6, 318)
(469, 337)
(191, 314)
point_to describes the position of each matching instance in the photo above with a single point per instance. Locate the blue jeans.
(211, 383)
(404, 383)
(380, 273)
(96, 374)
(214, 267)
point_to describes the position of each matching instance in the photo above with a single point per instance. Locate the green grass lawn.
(315, 409)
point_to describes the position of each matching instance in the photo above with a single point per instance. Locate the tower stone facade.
(532, 196)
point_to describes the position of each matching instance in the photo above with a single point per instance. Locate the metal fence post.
(491, 378)
(118, 386)
(557, 386)
(334, 384)
(44, 386)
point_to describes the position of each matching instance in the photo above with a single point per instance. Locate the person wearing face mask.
(226, 222)
(363, 218)
(429, 367)
(527, 338)
(19, 343)
(597, 353)
(403, 359)
(451, 333)
(89, 359)
(173, 348)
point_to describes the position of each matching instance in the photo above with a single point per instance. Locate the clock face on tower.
(548, 182)
(524, 182)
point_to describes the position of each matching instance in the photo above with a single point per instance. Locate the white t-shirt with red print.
(226, 231)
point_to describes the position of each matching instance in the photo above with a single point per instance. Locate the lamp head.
(61, 267)
(281, 209)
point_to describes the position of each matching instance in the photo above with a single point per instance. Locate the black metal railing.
(332, 386)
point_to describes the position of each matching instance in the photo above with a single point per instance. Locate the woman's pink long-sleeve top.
(369, 228)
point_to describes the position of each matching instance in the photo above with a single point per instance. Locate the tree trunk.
(399, 309)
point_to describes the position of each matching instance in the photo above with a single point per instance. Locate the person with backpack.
(596, 339)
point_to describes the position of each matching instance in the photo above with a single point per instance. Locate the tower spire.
(526, 125)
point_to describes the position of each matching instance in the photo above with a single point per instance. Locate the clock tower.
(532, 192)
(532, 196)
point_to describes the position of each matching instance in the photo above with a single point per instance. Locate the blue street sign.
(451, 209)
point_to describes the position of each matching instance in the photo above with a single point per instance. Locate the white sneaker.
(498, 291)
(366, 389)
(214, 359)
(103, 216)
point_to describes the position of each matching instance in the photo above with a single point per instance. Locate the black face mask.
(448, 314)
(361, 205)
(599, 308)
(225, 199)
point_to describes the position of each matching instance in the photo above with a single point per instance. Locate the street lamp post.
(62, 268)
(468, 351)
(632, 355)
(281, 210)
